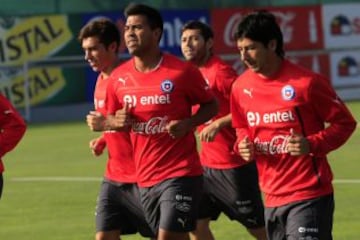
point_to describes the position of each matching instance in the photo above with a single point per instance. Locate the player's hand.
(97, 146)
(246, 149)
(178, 128)
(209, 132)
(298, 144)
(95, 121)
(122, 119)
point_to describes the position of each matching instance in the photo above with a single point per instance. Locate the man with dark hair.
(230, 183)
(288, 119)
(150, 94)
(118, 209)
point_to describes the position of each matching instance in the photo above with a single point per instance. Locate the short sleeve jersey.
(120, 166)
(219, 154)
(155, 98)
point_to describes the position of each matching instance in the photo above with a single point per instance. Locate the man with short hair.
(118, 210)
(230, 183)
(150, 94)
(287, 119)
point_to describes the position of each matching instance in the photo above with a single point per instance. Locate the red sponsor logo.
(301, 27)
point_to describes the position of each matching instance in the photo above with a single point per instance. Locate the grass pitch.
(52, 181)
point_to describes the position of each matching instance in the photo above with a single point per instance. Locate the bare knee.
(168, 235)
(202, 230)
(258, 233)
(108, 235)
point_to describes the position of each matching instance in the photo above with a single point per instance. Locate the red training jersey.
(120, 166)
(12, 127)
(267, 109)
(157, 97)
(219, 154)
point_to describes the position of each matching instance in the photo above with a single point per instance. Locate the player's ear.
(113, 47)
(209, 44)
(272, 45)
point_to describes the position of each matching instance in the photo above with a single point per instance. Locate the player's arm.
(120, 121)
(12, 126)
(224, 78)
(243, 144)
(179, 128)
(209, 132)
(340, 123)
(118, 117)
(205, 112)
(97, 145)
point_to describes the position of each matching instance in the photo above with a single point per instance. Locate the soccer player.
(230, 183)
(118, 209)
(13, 128)
(288, 119)
(151, 94)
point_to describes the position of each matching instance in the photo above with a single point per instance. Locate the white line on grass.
(97, 179)
(56, 179)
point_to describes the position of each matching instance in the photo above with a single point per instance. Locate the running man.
(287, 119)
(118, 210)
(230, 183)
(151, 95)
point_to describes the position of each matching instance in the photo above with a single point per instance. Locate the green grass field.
(52, 180)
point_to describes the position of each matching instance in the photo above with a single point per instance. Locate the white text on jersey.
(153, 126)
(256, 118)
(147, 100)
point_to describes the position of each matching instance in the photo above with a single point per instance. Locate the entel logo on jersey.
(147, 100)
(255, 118)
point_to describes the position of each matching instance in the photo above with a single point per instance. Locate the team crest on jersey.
(288, 92)
(167, 86)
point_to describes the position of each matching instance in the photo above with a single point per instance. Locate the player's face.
(96, 54)
(255, 55)
(193, 45)
(138, 35)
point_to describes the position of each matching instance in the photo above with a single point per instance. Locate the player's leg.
(202, 231)
(236, 193)
(311, 219)
(132, 202)
(275, 221)
(110, 216)
(108, 235)
(171, 206)
(208, 211)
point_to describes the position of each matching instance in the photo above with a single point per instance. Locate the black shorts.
(173, 204)
(119, 208)
(236, 193)
(307, 219)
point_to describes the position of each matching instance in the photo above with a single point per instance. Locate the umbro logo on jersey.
(248, 92)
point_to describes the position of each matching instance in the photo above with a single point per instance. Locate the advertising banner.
(32, 39)
(341, 25)
(301, 27)
(345, 69)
